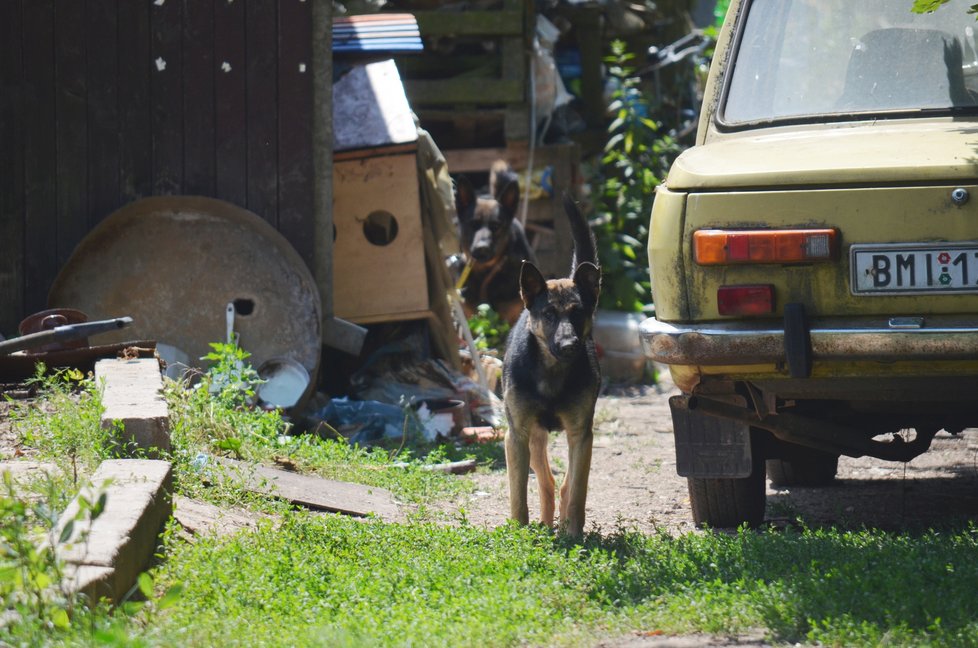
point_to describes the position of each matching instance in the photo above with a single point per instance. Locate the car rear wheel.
(813, 469)
(729, 502)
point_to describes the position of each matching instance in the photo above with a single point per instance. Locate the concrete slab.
(133, 397)
(105, 556)
(26, 471)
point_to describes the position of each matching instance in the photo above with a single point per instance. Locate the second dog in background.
(494, 243)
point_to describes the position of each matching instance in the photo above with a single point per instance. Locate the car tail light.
(724, 247)
(746, 300)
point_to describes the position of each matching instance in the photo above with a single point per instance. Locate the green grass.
(338, 581)
(309, 580)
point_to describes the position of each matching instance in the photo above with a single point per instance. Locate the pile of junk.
(170, 276)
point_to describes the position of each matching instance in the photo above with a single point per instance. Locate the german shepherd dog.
(551, 381)
(494, 243)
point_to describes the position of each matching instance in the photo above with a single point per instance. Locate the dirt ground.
(634, 483)
(633, 480)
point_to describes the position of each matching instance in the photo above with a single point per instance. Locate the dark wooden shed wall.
(107, 101)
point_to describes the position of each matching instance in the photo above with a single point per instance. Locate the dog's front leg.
(518, 470)
(573, 492)
(545, 477)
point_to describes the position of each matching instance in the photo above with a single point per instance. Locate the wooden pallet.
(469, 98)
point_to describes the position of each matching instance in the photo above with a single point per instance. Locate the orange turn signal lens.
(724, 247)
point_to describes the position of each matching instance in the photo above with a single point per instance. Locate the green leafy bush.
(489, 330)
(636, 157)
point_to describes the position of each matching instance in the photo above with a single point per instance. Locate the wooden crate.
(377, 282)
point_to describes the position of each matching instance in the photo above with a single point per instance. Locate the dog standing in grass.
(551, 381)
(493, 241)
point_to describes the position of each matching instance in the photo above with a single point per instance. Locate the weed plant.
(38, 606)
(64, 424)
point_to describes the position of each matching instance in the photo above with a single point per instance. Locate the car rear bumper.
(740, 343)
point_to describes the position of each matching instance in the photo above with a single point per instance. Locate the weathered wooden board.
(262, 114)
(103, 113)
(71, 128)
(230, 88)
(167, 109)
(313, 492)
(135, 125)
(198, 97)
(295, 133)
(40, 156)
(11, 182)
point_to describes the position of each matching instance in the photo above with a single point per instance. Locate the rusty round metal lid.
(174, 263)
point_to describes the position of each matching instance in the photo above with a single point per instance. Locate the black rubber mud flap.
(797, 341)
(707, 446)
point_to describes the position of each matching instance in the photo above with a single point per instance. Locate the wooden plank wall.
(108, 101)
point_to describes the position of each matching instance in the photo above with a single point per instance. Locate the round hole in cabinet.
(380, 227)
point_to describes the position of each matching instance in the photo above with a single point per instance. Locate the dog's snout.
(565, 339)
(482, 244)
(482, 253)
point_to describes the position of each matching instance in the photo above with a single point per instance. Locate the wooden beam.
(470, 23)
(322, 150)
(310, 491)
(465, 91)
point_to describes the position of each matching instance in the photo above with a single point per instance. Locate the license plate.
(914, 268)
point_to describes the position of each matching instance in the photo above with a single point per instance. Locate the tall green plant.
(636, 157)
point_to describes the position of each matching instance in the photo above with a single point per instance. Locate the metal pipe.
(813, 433)
(63, 333)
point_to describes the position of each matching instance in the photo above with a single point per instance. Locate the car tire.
(814, 469)
(729, 502)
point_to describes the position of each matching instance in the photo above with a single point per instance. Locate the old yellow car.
(814, 257)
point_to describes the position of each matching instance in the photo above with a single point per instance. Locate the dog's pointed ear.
(587, 278)
(509, 196)
(532, 283)
(464, 194)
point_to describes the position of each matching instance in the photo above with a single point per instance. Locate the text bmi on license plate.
(914, 268)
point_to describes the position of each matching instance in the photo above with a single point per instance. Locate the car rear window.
(798, 59)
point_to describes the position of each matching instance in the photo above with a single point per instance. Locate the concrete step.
(133, 396)
(104, 556)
